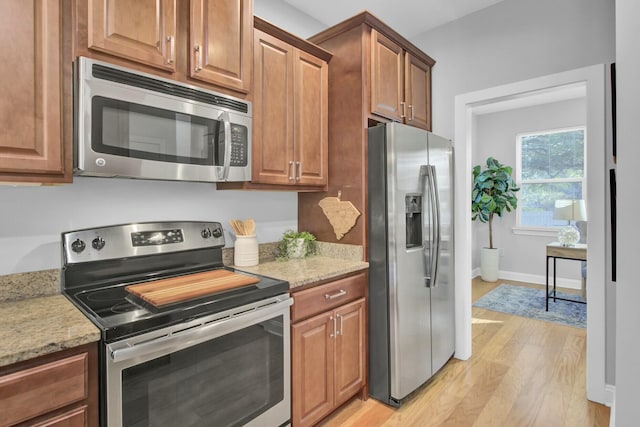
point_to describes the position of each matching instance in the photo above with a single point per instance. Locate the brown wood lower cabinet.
(329, 350)
(59, 389)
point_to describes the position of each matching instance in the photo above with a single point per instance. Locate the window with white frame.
(550, 166)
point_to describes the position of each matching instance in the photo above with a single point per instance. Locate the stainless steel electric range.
(221, 358)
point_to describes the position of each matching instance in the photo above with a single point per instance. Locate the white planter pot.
(297, 248)
(489, 262)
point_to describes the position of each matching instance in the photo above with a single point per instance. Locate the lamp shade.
(570, 210)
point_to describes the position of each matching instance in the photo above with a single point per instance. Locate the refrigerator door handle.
(436, 224)
(427, 247)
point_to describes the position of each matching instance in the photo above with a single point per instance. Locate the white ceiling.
(408, 17)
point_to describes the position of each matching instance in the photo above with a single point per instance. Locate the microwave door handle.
(226, 121)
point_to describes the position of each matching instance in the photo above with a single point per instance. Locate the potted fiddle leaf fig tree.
(493, 193)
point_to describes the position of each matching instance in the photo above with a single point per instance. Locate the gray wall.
(32, 218)
(512, 41)
(287, 17)
(627, 409)
(495, 135)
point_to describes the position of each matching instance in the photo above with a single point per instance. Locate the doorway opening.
(467, 106)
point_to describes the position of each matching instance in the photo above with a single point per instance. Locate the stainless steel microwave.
(137, 125)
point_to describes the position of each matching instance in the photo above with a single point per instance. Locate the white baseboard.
(561, 282)
(609, 395)
(610, 391)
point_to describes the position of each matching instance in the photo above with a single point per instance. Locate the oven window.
(227, 381)
(139, 131)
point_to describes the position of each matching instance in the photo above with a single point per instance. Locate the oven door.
(228, 369)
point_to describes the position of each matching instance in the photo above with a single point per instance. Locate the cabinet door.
(350, 350)
(272, 161)
(310, 119)
(32, 141)
(387, 77)
(312, 369)
(221, 42)
(418, 92)
(143, 30)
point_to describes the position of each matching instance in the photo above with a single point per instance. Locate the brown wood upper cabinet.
(206, 41)
(220, 41)
(374, 70)
(140, 31)
(400, 83)
(35, 106)
(290, 110)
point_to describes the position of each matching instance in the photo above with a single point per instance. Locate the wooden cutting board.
(183, 288)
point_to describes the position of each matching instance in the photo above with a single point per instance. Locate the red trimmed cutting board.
(183, 288)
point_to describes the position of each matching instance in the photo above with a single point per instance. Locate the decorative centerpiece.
(296, 244)
(493, 193)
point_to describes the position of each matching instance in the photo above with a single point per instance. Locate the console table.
(555, 250)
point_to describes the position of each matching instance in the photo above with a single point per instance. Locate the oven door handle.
(203, 329)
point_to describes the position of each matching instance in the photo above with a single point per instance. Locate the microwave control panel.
(239, 145)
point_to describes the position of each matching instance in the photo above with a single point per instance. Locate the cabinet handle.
(411, 116)
(199, 58)
(299, 175)
(292, 170)
(338, 294)
(340, 330)
(402, 105)
(172, 49)
(333, 335)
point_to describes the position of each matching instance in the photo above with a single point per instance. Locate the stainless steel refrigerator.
(411, 294)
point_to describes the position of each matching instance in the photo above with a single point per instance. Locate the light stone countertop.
(299, 272)
(37, 326)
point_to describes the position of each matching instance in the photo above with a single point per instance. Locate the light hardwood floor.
(523, 372)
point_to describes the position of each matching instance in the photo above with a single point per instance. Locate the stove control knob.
(206, 233)
(98, 243)
(217, 232)
(78, 246)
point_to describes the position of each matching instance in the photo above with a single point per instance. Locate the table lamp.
(570, 210)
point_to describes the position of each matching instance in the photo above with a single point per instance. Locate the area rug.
(530, 302)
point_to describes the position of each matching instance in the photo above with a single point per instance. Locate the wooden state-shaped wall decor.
(342, 215)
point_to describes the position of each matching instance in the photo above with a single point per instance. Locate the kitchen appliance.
(411, 295)
(137, 125)
(203, 357)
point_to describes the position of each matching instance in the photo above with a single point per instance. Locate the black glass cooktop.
(120, 315)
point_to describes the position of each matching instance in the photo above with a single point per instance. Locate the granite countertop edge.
(300, 272)
(38, 326)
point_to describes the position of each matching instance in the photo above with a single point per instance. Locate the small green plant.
(493, 193)
(296, 244)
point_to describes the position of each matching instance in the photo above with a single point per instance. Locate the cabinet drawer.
(32, 392)
(74, 418)
(326, 297)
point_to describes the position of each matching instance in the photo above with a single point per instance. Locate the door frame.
(594, 78)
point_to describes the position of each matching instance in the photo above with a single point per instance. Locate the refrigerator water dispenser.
(413, 213)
